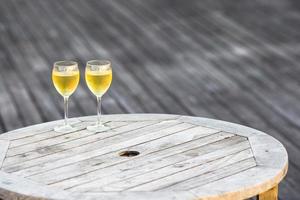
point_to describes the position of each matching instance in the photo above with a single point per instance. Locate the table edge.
(210, 123)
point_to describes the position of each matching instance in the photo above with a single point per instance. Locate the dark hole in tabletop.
(129, 153)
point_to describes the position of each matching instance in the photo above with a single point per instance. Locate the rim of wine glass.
(66, 63)
(100, 62)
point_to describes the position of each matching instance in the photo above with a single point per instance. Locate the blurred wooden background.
(232, 60)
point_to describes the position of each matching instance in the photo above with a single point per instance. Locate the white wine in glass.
(65, 77)
(98, 76)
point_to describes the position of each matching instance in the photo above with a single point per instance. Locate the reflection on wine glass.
(98, 76)
(65, 77)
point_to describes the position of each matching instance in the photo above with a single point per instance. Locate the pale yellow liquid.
(98, 82)
(65, 82)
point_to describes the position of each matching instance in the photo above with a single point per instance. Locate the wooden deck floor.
(232, 60)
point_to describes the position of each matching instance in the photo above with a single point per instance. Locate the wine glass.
(65, 77)
(98, 76)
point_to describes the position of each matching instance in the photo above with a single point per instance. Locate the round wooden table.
(143, 156)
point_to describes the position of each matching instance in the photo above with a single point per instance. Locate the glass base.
(98, 128)
(65, 129)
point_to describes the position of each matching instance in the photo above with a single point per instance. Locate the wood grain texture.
(179, 157)
(150, 162)
(271, 194)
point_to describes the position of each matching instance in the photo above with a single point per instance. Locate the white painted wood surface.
(180, 157)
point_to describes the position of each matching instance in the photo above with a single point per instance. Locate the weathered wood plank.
(265, 147)
(93, 163)
(165, 146)
(41, 137)
(195, 171)
(137, 137)
(157, 163)
(149, 157)
(221, 125)
(235, 185)
(52, 140)
(70, 146)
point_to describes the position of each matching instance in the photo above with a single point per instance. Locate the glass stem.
(66, 99)
(99, 111)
